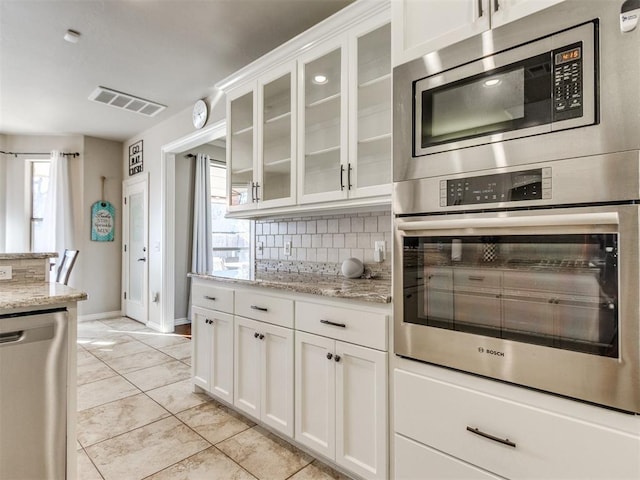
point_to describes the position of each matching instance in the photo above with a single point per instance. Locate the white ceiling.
(168, 51)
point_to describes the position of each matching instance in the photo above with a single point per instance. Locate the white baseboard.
(99, 316)
(181, 321)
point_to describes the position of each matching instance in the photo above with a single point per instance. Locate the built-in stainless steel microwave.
(542, 86)
(561, 83)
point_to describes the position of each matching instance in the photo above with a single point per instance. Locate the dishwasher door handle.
(11, 337)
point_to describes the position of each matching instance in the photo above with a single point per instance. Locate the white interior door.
(135, 281)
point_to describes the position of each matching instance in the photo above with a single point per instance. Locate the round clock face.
(199, 114)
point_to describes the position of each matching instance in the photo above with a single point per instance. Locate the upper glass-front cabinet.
(345, 117)
(370, 126)
(323, 128)
(261, 156)
(276, 154)
(241, 152)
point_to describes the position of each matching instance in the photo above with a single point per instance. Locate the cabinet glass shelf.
(243, 131)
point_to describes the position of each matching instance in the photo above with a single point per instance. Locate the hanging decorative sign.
(103, 220)
(135, 158)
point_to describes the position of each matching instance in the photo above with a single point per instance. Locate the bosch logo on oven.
(488, 351)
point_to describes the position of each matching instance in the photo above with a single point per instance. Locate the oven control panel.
(532, 184)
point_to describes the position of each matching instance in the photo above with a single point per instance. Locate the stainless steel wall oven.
(517, 249)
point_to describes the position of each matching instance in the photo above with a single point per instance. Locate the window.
(39, 189)
(231, 238)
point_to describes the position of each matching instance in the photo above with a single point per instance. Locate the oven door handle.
(603, 218)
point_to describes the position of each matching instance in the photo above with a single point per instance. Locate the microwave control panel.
(533, 184)
(567, 82)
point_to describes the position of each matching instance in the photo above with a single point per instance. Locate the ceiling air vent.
(126, 101)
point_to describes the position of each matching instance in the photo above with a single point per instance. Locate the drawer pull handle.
(476, 278)
(329, 322)
(210, 298)
(262, 309)
(504, 441)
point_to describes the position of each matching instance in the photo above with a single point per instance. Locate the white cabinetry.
(212, 346)
(310, 122)
(510, 432)
(313, 370)
(261, 141)
(263, 380)
(341, 388)
(213, 352)
(345, 115)
(423, 26)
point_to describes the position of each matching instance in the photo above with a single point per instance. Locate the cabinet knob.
(329, 356)
(261, 336)
(337, 358)
(256, 335)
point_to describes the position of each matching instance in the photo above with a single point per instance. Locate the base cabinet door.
(202, 346)
(213, 352)
(264, 373)
(315, 409)
(222, 357)
(341, 403)
(361, 410)
(247, 366)
(277, 378)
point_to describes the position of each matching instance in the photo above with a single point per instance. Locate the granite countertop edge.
(366, 290)
(37, 294)
(27, 256)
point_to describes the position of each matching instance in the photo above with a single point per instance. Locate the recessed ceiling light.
(320, 79)
(492, 82)
(72, 36)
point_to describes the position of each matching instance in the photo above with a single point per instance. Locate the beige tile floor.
(138, 417)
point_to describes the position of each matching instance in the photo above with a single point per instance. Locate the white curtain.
(201, 261)
(57, 223)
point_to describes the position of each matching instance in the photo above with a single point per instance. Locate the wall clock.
(200, 114)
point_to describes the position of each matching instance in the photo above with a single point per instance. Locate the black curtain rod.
(66, 154)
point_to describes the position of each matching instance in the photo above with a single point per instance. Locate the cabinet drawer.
(275, 310)
(477, 278)
(350, 325)
(212, 297)
(526, 441)
(413, 460)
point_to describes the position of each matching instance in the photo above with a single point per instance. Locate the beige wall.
(172, 129)
(100, 263)
(97, 270)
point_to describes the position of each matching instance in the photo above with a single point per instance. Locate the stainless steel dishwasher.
(33, 394)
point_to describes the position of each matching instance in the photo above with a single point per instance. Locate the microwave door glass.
(479, 107)
(509, 98)
(559, 291)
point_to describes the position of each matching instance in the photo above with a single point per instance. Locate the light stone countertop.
(368, 290)
(23, 256)
(37, 294)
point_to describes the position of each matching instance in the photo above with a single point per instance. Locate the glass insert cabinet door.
(323, 136)
(370, 159)
(556, 290)
(277, 120)
(241, 145)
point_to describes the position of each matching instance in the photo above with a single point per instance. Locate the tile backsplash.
(322, 243)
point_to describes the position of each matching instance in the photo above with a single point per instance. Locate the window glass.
(39, 190)
(231, 238)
